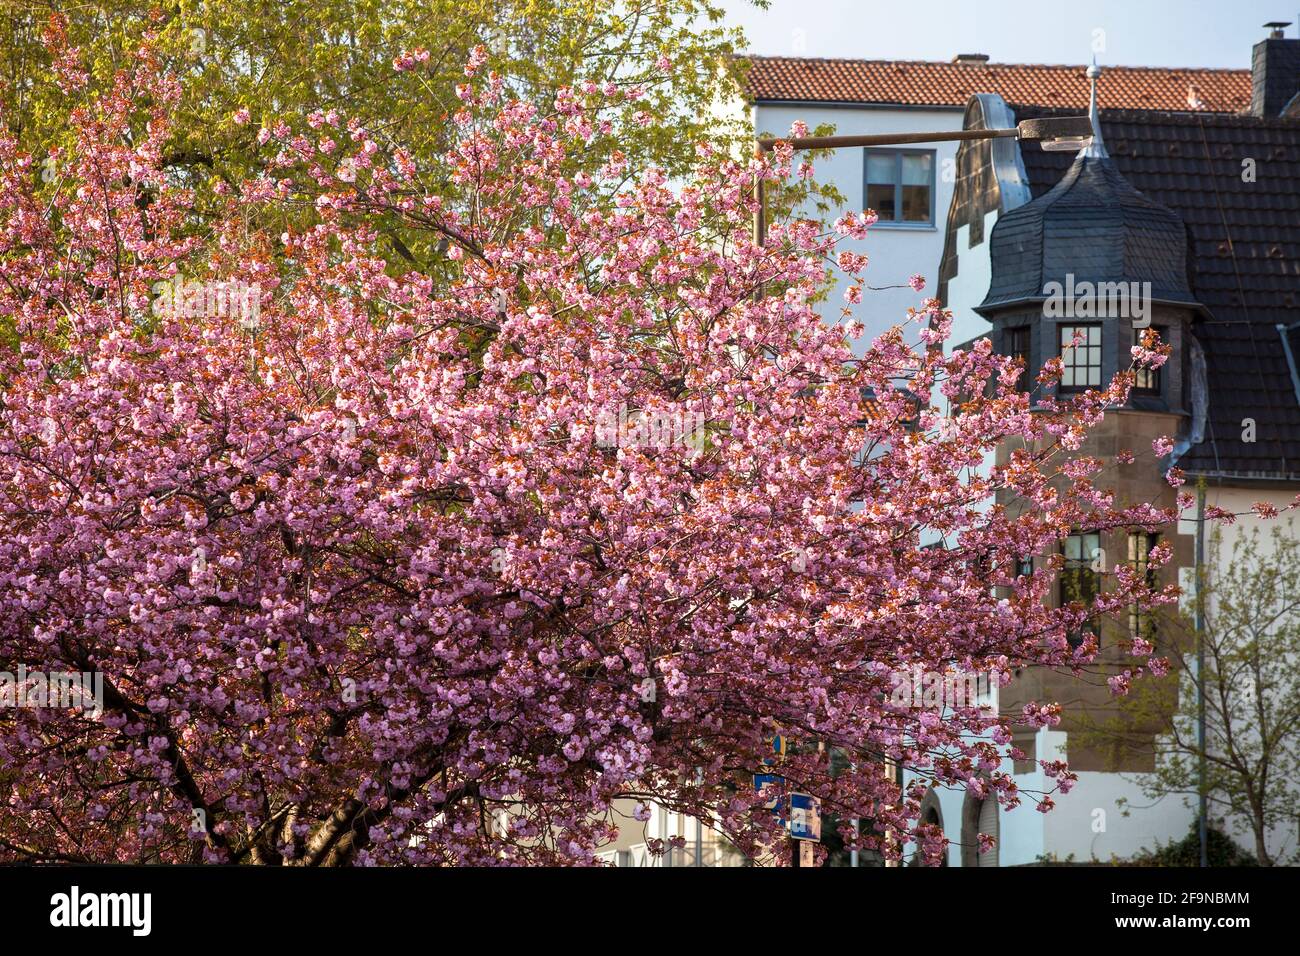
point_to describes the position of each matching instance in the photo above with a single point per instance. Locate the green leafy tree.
(1221, 851)
(1251, 687)
(390, 65)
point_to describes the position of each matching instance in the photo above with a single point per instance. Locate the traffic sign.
(778, 750)
(805, 817)
(768, 781)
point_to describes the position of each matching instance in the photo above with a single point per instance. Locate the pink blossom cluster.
(365, 587)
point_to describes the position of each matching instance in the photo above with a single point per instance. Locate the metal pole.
(1203, 826)
(767, 143)
(893, 773)
(1067, 126)
(857, 827)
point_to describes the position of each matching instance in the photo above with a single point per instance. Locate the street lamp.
(1058, 133)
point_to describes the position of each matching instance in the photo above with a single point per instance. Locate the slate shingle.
(1091, 226)
(1245, 253)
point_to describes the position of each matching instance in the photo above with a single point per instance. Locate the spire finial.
(1098, 148)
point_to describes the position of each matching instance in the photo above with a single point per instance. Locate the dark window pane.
(1078, 580)
(1148, 379)
(881, 199)
(916, 203)
(1016, 345)
(1140, 543)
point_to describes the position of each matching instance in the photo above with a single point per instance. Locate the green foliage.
(282, 60)
(1251, 685)
(1221, 851)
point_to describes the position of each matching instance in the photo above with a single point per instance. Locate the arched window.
(931, 813)
(979, 816)
(989, 824)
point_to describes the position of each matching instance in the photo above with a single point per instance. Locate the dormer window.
(1080, 351)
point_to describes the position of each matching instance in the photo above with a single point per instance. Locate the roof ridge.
(1120, 114)
(990, 63)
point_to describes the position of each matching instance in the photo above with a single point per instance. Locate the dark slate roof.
(1245, 263)
(1094, 226)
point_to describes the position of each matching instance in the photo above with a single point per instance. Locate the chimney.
(1274, 72)
(971, 59)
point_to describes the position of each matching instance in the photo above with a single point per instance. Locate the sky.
(1175, 33)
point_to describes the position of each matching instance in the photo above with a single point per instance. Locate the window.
(1079, 579)
(1016, 343)
(1140, 543)
(1148, 379)
(1082, 360)
(899, 185)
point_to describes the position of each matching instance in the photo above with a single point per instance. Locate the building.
(1205, 207)
(911, 188)
(1222, 277)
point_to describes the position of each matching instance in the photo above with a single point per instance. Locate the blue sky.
(1202, 33)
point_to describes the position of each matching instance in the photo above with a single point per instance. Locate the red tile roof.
(926, 83)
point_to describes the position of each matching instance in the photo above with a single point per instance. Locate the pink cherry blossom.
(431, 598)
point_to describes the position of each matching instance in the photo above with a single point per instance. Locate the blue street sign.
(778, 750)
(805, 817)
(768, 781)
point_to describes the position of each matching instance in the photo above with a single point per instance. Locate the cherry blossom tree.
(386, 568)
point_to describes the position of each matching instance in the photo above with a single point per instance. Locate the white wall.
(971, 284)
(1086, 825)
(897, 252)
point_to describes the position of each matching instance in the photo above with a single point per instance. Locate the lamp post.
(1052, 133)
